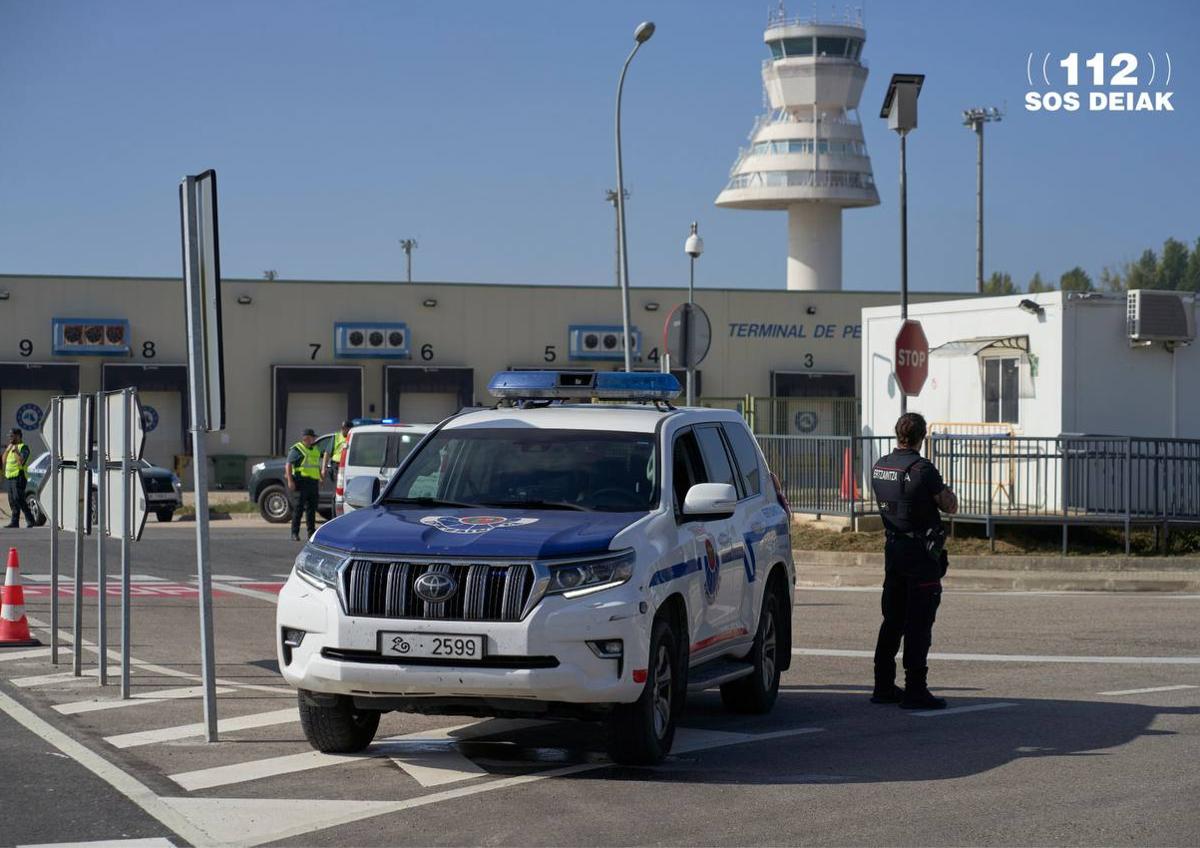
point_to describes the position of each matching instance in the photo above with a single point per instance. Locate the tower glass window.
(776, 49)
(827, 46)
(798, 46)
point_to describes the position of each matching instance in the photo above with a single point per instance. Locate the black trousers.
(304, 499)
(16, 501)
(912, 591)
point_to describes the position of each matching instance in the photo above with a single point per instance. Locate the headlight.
(318, 566)
(258, 466)
(573, 579)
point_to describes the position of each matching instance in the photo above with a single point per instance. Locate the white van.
(374, 449)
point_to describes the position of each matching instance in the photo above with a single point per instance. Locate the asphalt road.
(1074, 720)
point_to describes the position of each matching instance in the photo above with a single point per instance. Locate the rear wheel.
(165, 515)
(274, 504)
(336, 727)
(641, 733)
(756, 692)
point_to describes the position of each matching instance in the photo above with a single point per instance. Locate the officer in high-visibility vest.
(333, 459)
(15, 461)
(303, 471)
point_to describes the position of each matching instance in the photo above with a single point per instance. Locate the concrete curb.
(1105, 564)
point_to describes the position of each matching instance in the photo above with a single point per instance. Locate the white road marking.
(51, 679)
(395, 746)
(187, 731)
(140, 699)
(284, 576)
(437, 766)
(1150, 689)
(131, 788)
(24, 655)
(152, 842)
(973, 708)
(1016, 593)
(231, 578)
(1014, 658)
(269, 597)
(147, 578)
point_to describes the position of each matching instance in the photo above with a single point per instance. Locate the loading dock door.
(162, 392)
(25, 392)
(316, 396)
(804, 403)
(426, 395)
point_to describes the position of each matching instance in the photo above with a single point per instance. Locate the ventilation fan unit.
(1160, 316)
(371, 340)
(90, 336)
(602, 342)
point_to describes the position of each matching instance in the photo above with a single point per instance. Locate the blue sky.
(484, 129)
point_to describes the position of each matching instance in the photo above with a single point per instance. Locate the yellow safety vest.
(339, 443)
(310, 462)
(14, 463)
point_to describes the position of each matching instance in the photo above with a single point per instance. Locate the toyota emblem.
(435, 587)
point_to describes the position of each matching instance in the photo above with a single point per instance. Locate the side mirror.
(362, 491)
(710, 500)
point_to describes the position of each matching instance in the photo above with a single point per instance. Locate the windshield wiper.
(535, 504)
(429, 502)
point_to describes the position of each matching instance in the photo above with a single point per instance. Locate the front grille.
(493, 661)
(158, 484)
(485, 592)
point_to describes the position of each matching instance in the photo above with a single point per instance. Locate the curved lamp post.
(640, 36)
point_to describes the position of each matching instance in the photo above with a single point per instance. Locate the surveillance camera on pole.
(974, 119)
(693, 247)
(900, 111)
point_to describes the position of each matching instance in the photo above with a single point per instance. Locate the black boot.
(916, 693)
(886, 690)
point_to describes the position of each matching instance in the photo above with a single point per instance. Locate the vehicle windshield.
(532, 468)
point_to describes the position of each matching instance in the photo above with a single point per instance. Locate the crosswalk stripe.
(1150, 690)
(973, 708)
(24, 655)
(186, 731)
(152, 842)
(50, 679)
(152, 697)
(231, 578)
(395, 746)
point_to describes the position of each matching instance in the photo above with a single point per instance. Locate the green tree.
(1144, 273)
(999, 283)
(1110, 280)
(1076, 279)
(1191, 279)
(1172, 268)
(1037, 284)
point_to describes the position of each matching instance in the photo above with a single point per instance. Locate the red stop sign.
(912, 358)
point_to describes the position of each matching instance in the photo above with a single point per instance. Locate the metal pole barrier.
(81, 506)
(196, 361)
(127, 500)
(904, 246)
(101, 525)
(55, 470)
(1128, 488)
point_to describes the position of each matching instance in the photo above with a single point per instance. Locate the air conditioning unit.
(371, 340)
(602, 341)
(90, 336)
(1160, 316)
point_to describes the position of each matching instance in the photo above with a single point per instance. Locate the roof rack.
(644, 387)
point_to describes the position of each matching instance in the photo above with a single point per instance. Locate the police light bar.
(563, 385)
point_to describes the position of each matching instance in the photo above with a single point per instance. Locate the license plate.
(160, 496)
(447, 646)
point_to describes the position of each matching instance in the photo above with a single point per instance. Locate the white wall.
(954, 392)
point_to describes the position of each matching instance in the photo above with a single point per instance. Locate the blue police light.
(575, 385)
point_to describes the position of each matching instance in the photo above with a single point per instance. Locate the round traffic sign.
(687, 335)
(912, 357)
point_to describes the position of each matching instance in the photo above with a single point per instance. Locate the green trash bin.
(229, 470)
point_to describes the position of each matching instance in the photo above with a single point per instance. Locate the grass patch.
(1010, 541)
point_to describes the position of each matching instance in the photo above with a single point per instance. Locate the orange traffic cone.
(14, 628)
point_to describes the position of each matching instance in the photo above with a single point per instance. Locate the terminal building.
(415, 351)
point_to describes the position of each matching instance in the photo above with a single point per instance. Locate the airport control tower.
(807, 153)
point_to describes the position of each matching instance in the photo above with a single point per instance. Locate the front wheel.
(274, 504)
(35, 509)
(641, 733)
(165, 515)
(756, 692)
(337, 727)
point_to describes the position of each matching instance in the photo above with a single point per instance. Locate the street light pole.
(407, 245)
(693, 247)
(611, 197)
(903, 245)
(640, 36)
(975, 118)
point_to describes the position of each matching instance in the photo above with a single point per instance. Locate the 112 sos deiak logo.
(1101, 82)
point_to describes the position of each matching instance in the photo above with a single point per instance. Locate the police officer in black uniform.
(910, 492)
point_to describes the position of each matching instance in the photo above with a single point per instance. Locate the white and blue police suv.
(552, 557)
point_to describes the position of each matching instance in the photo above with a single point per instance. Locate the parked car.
(374, 449)
(267, 487)
(164, 495)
